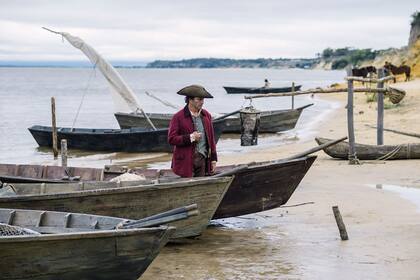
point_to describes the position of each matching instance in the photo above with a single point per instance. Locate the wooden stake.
(340, 223)
(293, 97)
(64, 153)
(54, 128)
(350, 123)
(380, 120)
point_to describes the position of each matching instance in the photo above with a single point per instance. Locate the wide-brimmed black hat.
(195, 91)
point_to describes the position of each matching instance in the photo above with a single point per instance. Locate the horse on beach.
(403, 69)
(363, 71)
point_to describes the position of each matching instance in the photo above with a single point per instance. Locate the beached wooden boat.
(75, 246)
(261, 90)
(261, 186)
(256, 187)
(116, 140)
(133, 200)
(373, 152)
(270, 121)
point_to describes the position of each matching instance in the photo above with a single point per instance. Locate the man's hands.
(195, 136)
(213, 167)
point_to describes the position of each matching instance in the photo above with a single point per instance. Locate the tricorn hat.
(195, 91)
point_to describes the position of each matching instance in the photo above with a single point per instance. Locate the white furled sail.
(122, 94)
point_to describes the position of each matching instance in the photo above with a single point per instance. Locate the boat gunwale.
(117, 190)
(85, 234)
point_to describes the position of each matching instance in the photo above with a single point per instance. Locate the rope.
(83, 96)
(391, 153)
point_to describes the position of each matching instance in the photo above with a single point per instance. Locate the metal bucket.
(250, 122)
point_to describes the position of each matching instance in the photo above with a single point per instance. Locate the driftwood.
(340, 223)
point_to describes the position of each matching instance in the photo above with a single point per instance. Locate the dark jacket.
(180, 128)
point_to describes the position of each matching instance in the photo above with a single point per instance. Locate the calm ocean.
(25, 101)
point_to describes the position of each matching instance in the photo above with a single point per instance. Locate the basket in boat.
(395, 95)
(8, 230)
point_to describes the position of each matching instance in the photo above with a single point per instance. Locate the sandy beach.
(377, 200)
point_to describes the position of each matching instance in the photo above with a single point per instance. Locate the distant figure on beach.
(403, 69)
(266, 83)
(191, 133)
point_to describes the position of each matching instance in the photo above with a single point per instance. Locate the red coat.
(180, 128)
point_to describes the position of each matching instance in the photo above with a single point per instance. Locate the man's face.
(197, 103)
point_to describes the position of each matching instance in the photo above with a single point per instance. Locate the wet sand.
(303, 242)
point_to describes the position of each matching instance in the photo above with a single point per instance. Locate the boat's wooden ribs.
(11, 217)
(41, 217)
(67, 218)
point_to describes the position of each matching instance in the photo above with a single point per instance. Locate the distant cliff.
(415, 30)
(235, 63)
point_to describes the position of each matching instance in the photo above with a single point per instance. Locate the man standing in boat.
(266, 83)
(192, 135)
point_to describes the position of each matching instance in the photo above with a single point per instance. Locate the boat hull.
(263, 187)
(270, 121)
(113, 140)
(84, 253)
(260, 187)
(262, 90)
(134, 202)
(372, 152)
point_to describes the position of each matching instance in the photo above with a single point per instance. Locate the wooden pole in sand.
(380, 120)
(293, 97)
(340, 223)
(350, 123)
(64, 153)
(54, 128)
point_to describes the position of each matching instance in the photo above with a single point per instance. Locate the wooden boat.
(258, 187)
(261, 90)
(133, 200)
(140, 140)
(75, 246)
(270, 121)
(373, 152)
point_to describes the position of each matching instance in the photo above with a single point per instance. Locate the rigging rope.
(83, 96)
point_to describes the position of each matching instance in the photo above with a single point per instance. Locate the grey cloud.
(178, 29)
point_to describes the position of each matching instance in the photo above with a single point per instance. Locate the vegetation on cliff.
(235, 63)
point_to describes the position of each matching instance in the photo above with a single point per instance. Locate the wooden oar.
(398, 132)
(164, 217)
(316, 149)
(227, 115)
(160, 221)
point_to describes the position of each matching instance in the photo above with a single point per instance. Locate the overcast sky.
(148, 30)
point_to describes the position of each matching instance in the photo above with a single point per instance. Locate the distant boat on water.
(260, 90)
